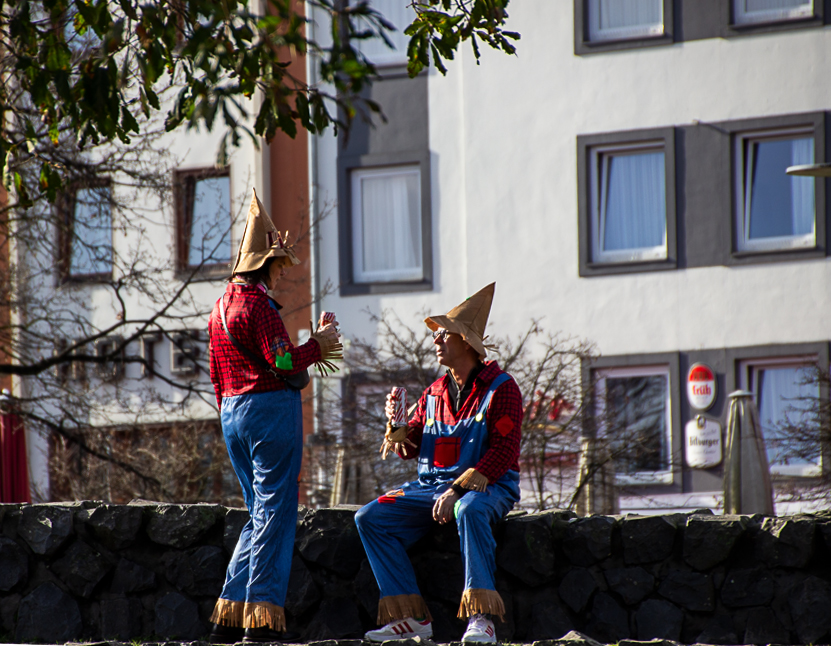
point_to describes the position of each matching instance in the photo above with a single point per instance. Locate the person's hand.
(443, 509)
(395, 439)
(389, 407)
(329, 332)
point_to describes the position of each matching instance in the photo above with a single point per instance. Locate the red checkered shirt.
(255, 323)
(503, 417)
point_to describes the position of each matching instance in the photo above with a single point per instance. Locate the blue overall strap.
(496, 383)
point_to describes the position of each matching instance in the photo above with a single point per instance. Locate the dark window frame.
(346, 166)
(671, 361)
(817, 19)
(66, 233)
(184, 183)
(585, 144)
(582, 44)
(736, 129)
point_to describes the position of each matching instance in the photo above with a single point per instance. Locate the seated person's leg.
(387, 527)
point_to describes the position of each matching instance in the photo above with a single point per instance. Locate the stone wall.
(94, 571)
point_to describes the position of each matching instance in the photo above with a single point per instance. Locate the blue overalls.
(391, 524)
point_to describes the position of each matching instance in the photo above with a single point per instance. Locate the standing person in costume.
(465, 433)
(256, 370)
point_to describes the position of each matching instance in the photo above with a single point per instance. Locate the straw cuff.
(472, 479)
(228, 613)
(396, 434)
(402, 606)
(481, 601)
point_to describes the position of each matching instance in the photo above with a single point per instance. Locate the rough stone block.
(692, 590)
(632, 583)
(115, 526)
(336, 619)
(588, 540)
(576, 588)
(81, 568)
(607, 621)
(709, 539)
(208, 564)
(303, 593)
(718, 630)
(527, 549)
(9, 603)
(180, 526)
(120, 618)
(131, 577)
(764, 628)
(440, 576)
(48, 614)
(656, 619)
(747, 587)
(546, 618)
(648, 539)
(810, 601)
(14, 565)
(235, 520)
(571, 638)
(786, 542)
(45, 528)
(329, 538)
(177, 618)
(366, 590)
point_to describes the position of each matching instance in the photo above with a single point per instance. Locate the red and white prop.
(399, 398)
(327, 317)
(701, 386)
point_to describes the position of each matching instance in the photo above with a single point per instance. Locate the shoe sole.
(396, 637)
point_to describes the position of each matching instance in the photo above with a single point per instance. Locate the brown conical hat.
(468, 319)
(261, 241)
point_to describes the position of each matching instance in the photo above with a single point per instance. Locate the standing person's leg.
(388, 526)
(229, 607)
(277, 444)
(476, 512)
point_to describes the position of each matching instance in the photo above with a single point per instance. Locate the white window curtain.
(399, 14)
(387, 225)
(618, 19)
(783, 395)
(92, 231)
(210, 231)
(778, 210)
(632, 214)
(748, 11)
(802, 188)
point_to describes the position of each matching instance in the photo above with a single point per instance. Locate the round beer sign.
(701, 386)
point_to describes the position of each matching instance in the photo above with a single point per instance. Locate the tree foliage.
(99, 68)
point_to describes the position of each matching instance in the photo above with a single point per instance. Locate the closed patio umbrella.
(747, 486)
(14, 472)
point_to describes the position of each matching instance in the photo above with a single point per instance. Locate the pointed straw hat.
(468, 319)
(261, 241)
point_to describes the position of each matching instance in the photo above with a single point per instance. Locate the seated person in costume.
(465, 433)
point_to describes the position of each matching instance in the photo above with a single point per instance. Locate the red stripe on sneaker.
(489, 631)
(407, 626)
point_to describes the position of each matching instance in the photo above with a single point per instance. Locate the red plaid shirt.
(255, 323)
(504, 418)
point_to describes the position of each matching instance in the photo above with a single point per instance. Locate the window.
(629, 200)
(756, 11)
(86, 237)
(203, 217)
(774, 210)
(786, 394)
(400, 15)
(386, 224)
(624, 19)
(634, 413)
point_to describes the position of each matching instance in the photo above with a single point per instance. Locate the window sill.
(212, 273)
(363, 289)
(645, 478)
(777, 255)
(628, 267)
(86, 279)
(636, 42)
(780, 22)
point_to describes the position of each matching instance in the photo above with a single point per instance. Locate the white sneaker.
(480, 629)
(402, 629)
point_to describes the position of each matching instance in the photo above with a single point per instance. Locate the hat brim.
(456, 327)
(253, 260)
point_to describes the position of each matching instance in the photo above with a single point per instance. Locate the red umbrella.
(14, 471)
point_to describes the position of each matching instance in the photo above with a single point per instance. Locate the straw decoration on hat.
(468, 319)
(261, 240)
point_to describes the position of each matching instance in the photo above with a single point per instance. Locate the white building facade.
(623, 180)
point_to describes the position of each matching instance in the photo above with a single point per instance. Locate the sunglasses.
(441, 335)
